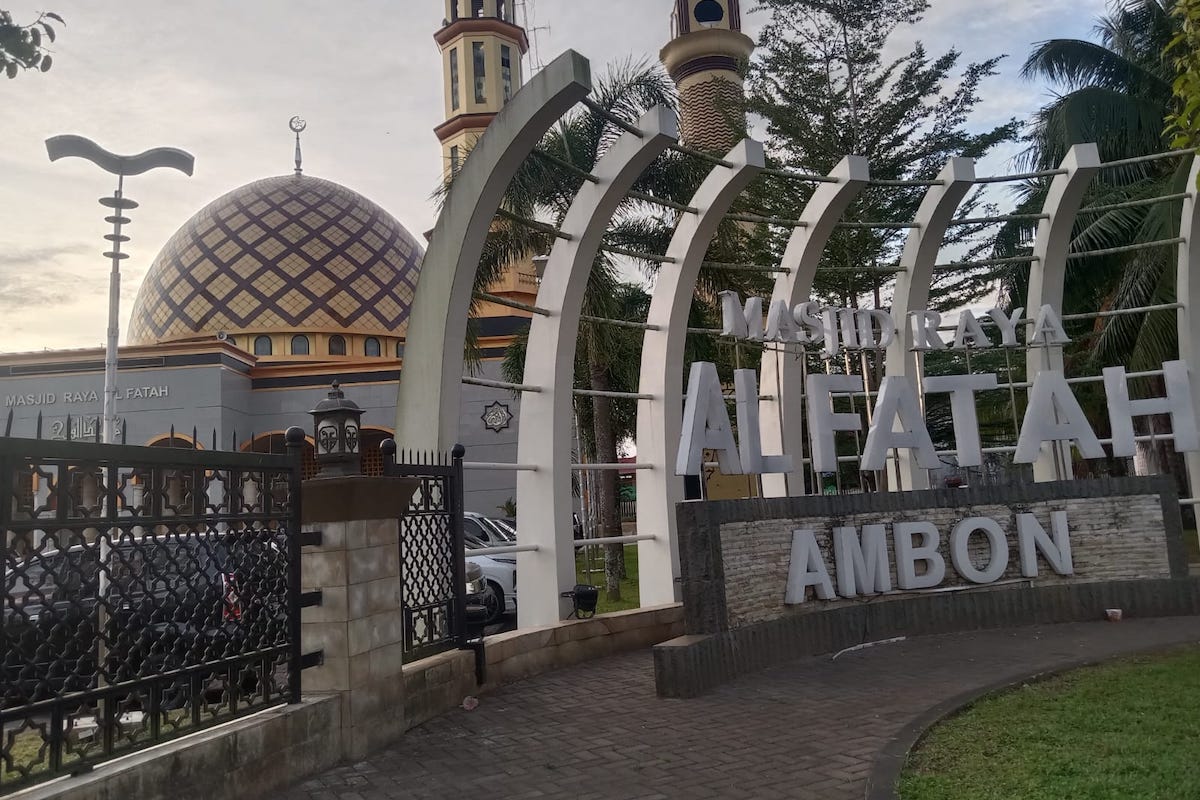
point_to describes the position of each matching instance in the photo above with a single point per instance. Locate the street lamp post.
(77, 146)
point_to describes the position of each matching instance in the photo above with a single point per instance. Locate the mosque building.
(275, 290)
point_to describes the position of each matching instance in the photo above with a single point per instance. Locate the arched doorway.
(275, 442)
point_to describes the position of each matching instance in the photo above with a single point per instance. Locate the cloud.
(36, 257)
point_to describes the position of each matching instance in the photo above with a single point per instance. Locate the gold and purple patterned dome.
(287, 254)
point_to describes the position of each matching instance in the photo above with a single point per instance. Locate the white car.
(499, 571)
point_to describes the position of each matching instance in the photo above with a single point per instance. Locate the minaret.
(481, 48)
(707, 58)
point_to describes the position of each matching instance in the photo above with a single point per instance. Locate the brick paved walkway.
(810, 729)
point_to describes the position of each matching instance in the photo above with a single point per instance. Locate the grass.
(1122, 731)
(629, 586)
(1192, 545)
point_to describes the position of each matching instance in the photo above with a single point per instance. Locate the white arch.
(544, 438)
(913, 283)
(1048, 274)
(781, 418)
(431, 381)
(1187, 292)
(659, 420)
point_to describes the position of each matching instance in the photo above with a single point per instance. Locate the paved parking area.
(809, 729)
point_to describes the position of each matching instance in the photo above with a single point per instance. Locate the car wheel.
(493, 601)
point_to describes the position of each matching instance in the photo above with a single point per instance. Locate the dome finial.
(297, 125)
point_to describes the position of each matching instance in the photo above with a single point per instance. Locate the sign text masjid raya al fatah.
(897, 422)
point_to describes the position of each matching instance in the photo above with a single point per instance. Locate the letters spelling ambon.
(1052, 413)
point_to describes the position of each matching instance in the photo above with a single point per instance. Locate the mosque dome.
(286, 255)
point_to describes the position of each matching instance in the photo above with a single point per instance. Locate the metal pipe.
(641, 537)
(608, 467)
(1166, 198)
(1124, 162)
(501, 301)
(799, 176)
(621, 251)
(1021, 176)
(1129, 248)
(533, 224)
(489, 384)
(658, 201)
(604, 113)
(489, 466)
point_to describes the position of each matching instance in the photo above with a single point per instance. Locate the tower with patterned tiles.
(707, 58)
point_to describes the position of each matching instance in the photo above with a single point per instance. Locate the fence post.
(460, 555)
(295, 444)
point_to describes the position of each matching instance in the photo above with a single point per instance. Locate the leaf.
(46, 64)
(35, 37)
(49, 31)
(56, 17)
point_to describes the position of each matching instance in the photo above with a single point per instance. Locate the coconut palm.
(1117, 93)
(543, 189)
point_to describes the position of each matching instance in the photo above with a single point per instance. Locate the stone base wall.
(691, 665)
(735, 557)
(522, 654)
(436, 684)
(246, 759)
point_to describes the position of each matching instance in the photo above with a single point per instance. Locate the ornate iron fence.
(148, 593)
(432, 579)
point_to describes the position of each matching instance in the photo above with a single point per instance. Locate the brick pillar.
(358, 624)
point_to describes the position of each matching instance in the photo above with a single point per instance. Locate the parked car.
(173, 602)
(500, 575)
(488, 531)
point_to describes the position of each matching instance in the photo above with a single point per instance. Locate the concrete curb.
(883, 781)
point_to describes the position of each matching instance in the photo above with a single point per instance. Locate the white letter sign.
(823, 423)
(807, 569)
(706, 424)
(1054, 415)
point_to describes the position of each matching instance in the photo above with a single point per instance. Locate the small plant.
(508, 508)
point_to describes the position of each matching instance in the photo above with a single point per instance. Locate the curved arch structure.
(913, 282)
(781, 417)
(1187, 293)
(430, 383)
(1048, 274)
(544, 435)
(658, 418)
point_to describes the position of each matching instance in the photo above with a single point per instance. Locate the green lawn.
(1123, 731)
(629, 586)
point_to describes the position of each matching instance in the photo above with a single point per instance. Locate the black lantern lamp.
(336, 432)
(584, 599)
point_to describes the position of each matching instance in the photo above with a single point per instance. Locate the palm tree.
(543, 189)
(1116, 92)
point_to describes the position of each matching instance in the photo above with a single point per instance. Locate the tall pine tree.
(822, 86)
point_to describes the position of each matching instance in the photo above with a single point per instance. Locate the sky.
(221, 79)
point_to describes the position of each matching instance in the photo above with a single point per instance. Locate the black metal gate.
(148, 593)
(432, 594)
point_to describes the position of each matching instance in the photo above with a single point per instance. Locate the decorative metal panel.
(148, 592)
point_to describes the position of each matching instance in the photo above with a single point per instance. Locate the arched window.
(299, 345)
(399, 349)
(262, 346)
(337, 346)
(709, 13)
(371, 347)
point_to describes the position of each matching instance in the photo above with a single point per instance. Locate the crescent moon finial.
(297, 124)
